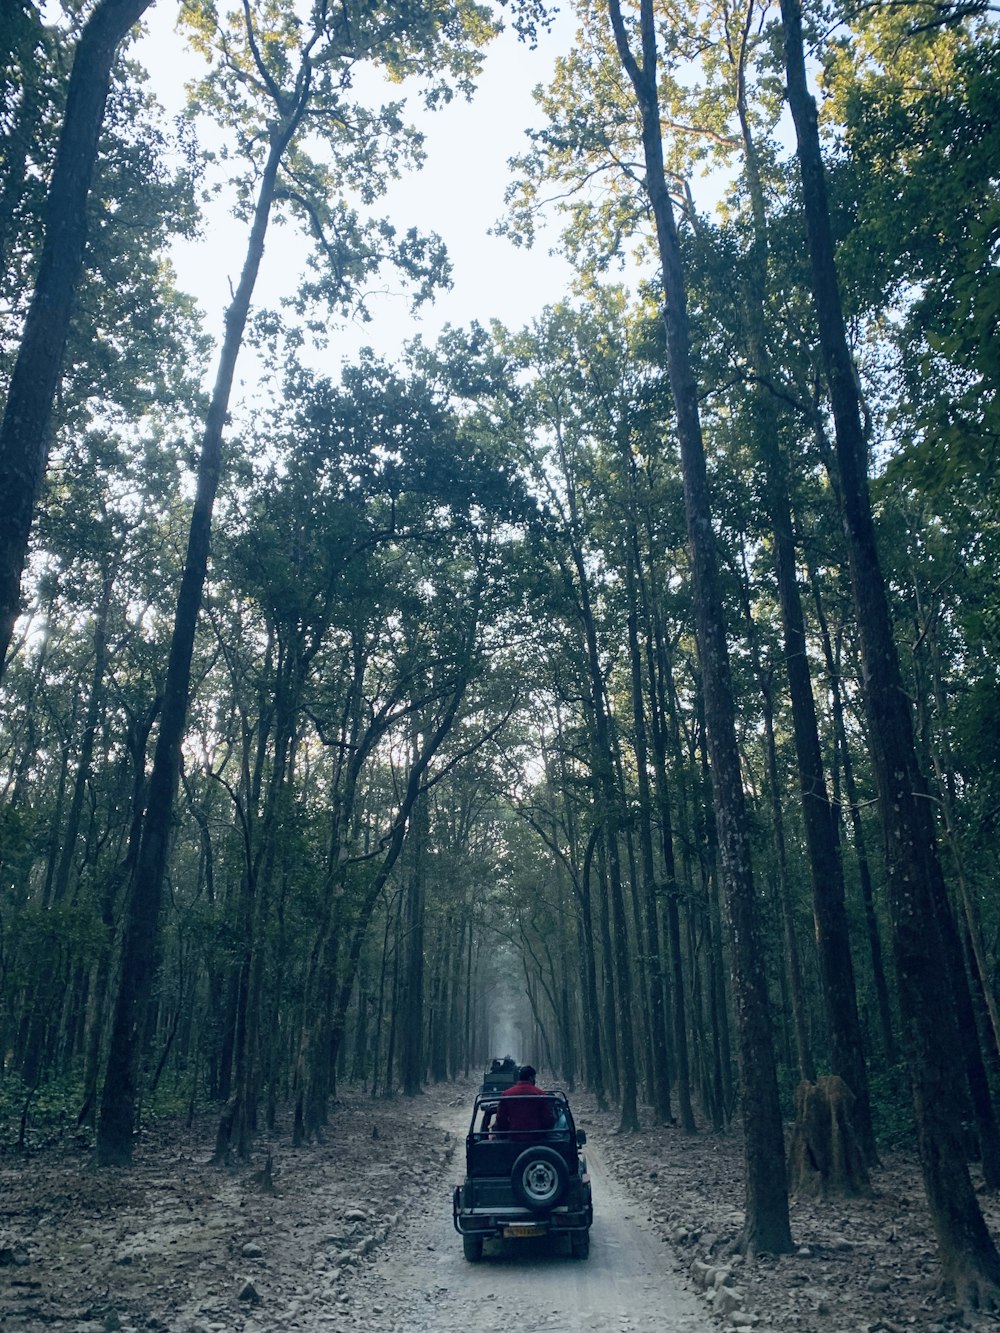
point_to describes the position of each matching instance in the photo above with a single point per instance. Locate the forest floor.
(357, 1235)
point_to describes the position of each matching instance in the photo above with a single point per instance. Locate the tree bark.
(857, 828)
(411, 1050)
(847, 1056)
(766, 1227)
(120, 1094)
(607, 800)
(658, 667)
(916, 888)
(658, 1036)
(591, 1009)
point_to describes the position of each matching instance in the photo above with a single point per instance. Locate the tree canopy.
(619, 689)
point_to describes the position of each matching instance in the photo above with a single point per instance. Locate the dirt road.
(357, 1238)
(420, 1282)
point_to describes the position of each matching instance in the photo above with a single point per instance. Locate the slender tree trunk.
(456, 1005)
(658, 667)
(618, 997)
(568, 1045)
(411, 1050)
(380, 1004)
(793, 968)
(715, 952)
(709, 1094)
(916, 889)
(766, 1226)
(95, 701)
(467, 1030)
(121, 1086)
(592, 1031)
(658, 1034)
(644, 1024)
(390, 1053)
(857, 828)
(793, 965)
(818, 816)
(138, 736)
(61, 785)
(608, 1007)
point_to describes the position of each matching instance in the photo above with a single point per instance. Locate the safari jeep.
(500, 1074)
(523, 1183)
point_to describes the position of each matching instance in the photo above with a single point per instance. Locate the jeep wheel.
(539, 1178)
(472, 1248)
(579, 1244)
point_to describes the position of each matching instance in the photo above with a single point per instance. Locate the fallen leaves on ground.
(177, 1245)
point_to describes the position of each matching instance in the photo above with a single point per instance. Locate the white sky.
(458, 194)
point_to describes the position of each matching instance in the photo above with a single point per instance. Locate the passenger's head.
(526, 1074)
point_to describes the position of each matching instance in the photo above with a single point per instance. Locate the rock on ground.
(176, 1245)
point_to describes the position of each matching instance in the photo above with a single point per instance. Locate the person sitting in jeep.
(519, 1111)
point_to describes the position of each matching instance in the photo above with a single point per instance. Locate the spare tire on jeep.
(538, 1178)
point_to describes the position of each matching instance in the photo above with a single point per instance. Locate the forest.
(620, 690)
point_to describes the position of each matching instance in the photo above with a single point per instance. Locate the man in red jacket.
(519, 1110)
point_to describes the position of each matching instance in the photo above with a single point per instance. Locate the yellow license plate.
(526, 1230)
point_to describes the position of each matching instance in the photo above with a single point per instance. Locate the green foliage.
(170, 1102)
(134, 337)
(273, 74)
(404, 533)
(43, 936)
(50, 1117)
(923, 133)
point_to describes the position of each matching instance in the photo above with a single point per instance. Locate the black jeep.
(522, 1183)
(500, 1074)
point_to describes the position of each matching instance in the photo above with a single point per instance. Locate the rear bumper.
(493, 1221)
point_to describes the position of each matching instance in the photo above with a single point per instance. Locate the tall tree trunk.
(709, 842)
(766, 1227)
(618, 998)
(608, 1005)
(380, 1004)
(95, 701)
(139, 943)
(467, 1029)
(658, 666)
(592, 1030)
(24, 433)
(431, 743)
(411, 1049)
(567, 985)
(916, 888)
(390, 1051)
(857, 829)
(793, 967)
(658, 1035)
(137, 738)
(847, 1056)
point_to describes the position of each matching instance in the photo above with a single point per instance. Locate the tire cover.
(538, 1178)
